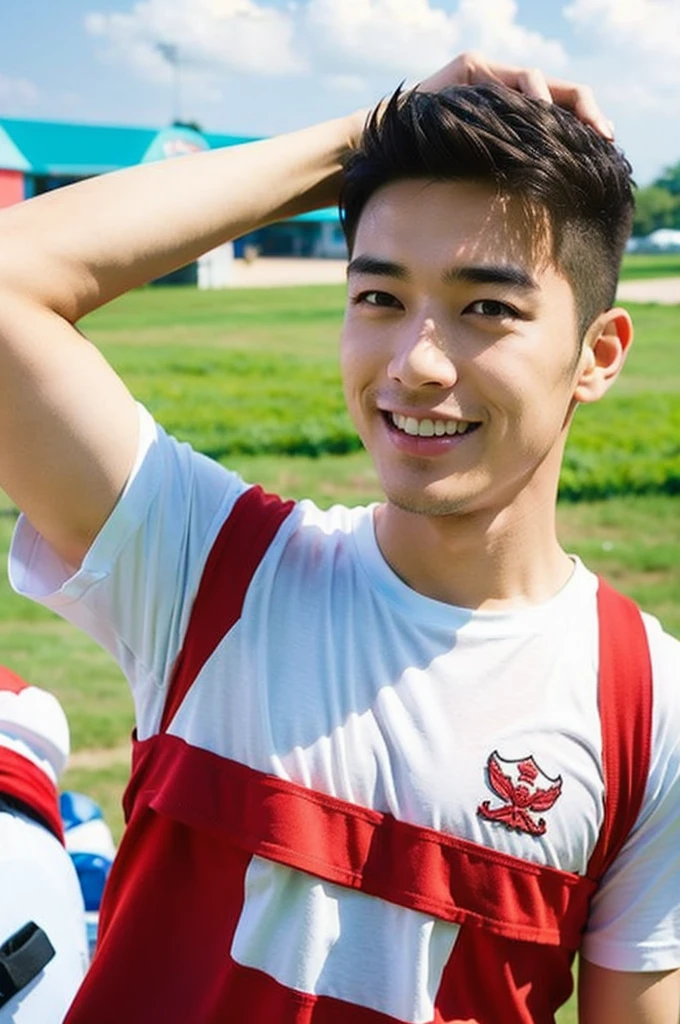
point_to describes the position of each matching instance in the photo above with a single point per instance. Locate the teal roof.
(62, 149)
(11, 158)
(78, 150)
(57, 148)
(329, 213)
(215, 141)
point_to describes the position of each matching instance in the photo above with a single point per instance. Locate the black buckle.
(22, 958)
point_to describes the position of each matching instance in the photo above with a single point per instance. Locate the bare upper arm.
(68, 426)
(627, 997)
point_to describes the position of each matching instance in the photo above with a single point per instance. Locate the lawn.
(256, 373)
(650, 265)
(251, 378)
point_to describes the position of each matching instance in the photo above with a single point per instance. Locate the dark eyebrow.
(503, 273)
(377, 266)
(485, 273)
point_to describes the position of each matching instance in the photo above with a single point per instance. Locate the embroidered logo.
(523, 788)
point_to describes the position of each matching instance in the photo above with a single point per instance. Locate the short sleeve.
(134, 590)
(634, 923)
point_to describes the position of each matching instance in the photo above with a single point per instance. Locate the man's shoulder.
(664, 650)
(664, 646)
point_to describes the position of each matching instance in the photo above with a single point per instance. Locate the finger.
(580, 99)
(529, 81)
(475, 69)
(471, 68)
(533, 83)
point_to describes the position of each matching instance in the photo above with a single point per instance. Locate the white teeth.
(427, 427)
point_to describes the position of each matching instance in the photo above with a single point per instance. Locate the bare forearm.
(79, 247)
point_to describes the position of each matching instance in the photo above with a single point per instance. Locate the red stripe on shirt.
(171, 906)
(415, 867)
(245, 536)
(625, 697)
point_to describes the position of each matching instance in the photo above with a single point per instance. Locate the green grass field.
(256, 373)
(251, 377)
(650, 265)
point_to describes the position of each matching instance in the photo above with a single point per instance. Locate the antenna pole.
(170, 53)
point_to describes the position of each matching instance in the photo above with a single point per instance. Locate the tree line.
(658, 204)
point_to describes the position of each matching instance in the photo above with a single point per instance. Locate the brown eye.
(377, 298)
(492, 308)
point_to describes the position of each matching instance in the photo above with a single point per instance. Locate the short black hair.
(526, 149)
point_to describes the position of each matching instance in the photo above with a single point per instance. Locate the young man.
(388, 767)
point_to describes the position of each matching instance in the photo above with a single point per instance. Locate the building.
(37, 156)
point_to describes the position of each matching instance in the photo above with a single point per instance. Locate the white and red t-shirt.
(351, 802)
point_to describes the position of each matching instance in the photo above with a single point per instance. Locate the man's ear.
(604, 352)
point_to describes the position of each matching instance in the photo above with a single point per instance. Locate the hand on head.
(472, 68)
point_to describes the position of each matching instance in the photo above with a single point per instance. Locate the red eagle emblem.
(521, 785)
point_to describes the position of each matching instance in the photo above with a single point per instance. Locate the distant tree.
(670, 180)
(656, 207)
(193, 125)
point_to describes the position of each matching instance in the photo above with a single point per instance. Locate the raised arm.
(68, 426)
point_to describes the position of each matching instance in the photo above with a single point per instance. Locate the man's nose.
(422, 356)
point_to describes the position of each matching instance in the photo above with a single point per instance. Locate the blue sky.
(264, 66)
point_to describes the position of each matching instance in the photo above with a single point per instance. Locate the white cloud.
(17, 91)
(342, 41)
(211, 36)
(412, 39)
(381, 35)
(633, 63)
(491, 26)
(345, 83)
(641, 39)
(647, 24)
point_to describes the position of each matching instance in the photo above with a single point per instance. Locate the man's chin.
(426, 503)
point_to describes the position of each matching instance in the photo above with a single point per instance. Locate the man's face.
(459, 349)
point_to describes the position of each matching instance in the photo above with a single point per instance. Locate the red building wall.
(11, 187)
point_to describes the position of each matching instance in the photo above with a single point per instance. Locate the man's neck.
(482, 560)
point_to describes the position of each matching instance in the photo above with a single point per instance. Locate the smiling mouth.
(430, 427)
